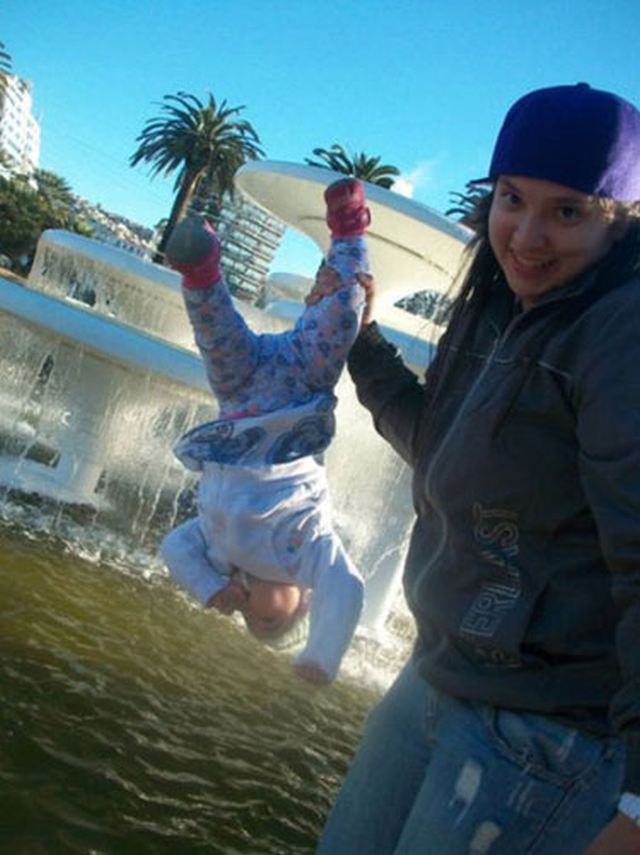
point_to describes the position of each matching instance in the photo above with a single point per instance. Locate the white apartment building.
(250, 238)
(19, 130)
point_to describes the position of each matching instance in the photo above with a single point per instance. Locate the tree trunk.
(178, 210)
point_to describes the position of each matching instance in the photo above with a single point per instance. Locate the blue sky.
(423, 84)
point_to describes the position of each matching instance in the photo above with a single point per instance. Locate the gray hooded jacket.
(523, 572)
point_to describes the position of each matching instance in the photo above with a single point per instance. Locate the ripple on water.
(134, 722)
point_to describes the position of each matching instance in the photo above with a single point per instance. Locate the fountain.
(100, 378)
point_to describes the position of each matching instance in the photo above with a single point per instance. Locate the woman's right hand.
(368, 284)
(327, 283)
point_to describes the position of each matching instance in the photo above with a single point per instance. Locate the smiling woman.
(515, 727)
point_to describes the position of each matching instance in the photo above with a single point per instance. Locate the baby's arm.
(336, 604)
(184, 551)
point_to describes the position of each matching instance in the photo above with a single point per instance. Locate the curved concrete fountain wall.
(83, 272)
(411, 247)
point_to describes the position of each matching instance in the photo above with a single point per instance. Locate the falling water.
(86, 424)
(133, 721)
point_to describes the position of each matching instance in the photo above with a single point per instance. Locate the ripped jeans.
(437, 776)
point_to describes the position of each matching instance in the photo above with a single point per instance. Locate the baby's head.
(271, 609)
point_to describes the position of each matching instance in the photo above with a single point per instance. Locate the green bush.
(24, 214)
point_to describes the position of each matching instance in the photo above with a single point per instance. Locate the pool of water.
(132, 722)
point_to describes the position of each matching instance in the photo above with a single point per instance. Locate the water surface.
(132, 722)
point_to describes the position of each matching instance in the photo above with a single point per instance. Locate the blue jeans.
(437, 776)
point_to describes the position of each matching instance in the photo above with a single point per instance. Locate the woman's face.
(543, 234)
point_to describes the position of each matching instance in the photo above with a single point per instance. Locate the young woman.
(515, 727)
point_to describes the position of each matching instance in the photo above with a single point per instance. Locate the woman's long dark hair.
(484, 275)
(473, 290)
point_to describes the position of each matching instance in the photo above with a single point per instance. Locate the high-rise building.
(19, 130)
(250, 237)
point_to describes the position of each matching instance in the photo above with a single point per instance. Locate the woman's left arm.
(608, 429)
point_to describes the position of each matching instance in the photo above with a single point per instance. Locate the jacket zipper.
(429, 474)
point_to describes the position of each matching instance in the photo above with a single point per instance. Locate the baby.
(263, 542)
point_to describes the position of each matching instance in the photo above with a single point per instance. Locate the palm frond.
(360, 165)
(471, 206)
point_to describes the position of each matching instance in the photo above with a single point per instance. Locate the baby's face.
(269, 607)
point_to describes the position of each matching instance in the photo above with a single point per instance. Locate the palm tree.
(57, 195)
(359, 165)
(204, 143)
(53, 187)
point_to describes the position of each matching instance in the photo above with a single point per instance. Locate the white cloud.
(403, 187)
(418, 178)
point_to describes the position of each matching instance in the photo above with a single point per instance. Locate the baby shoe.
(347, 214)
(194, 250)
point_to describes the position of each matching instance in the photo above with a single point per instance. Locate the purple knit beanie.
(577, 136)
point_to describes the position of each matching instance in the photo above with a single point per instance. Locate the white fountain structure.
(100, 375)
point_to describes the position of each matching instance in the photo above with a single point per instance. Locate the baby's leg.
(348, 256)
(347, 218)
(186, 554)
